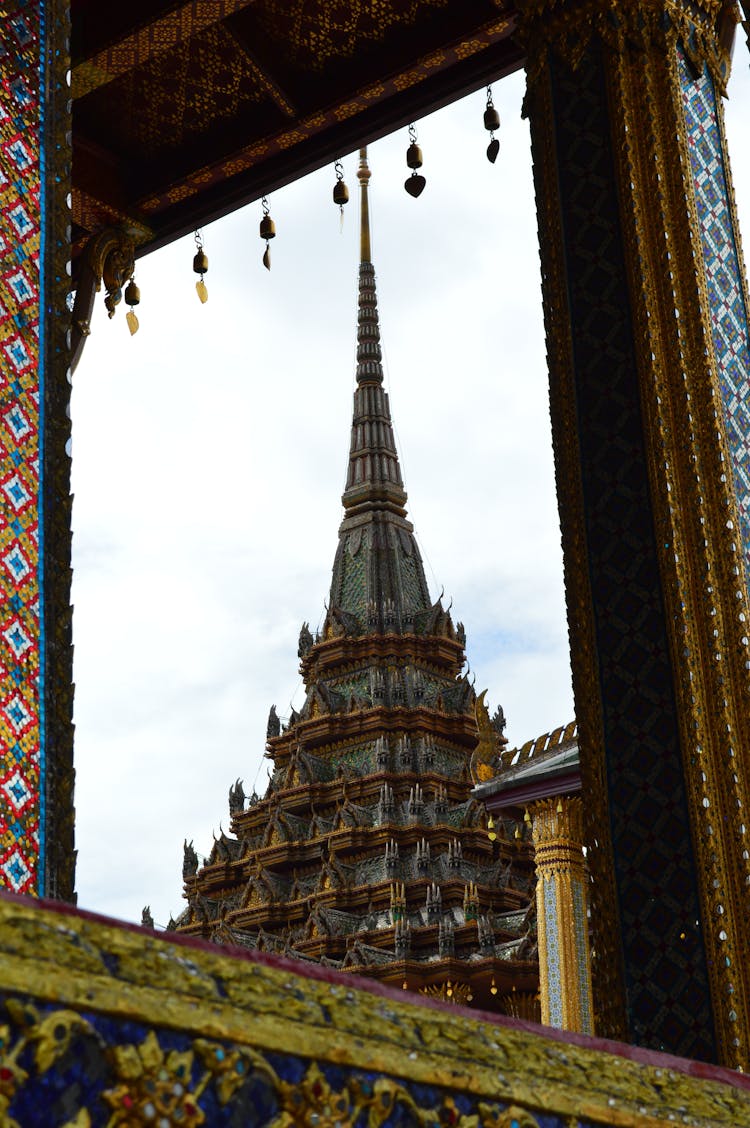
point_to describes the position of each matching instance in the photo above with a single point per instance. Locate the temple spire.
(375, 539)
(369, 367)
(374, 476)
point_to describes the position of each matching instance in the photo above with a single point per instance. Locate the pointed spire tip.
(363, 175)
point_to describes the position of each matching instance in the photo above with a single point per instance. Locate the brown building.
(368, 851)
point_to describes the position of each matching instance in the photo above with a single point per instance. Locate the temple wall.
(111, 1024)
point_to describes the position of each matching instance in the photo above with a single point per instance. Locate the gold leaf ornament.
(153, 1084)
(54, 1034)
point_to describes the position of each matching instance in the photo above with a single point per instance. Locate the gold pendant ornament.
(200, 266)
(267, 232)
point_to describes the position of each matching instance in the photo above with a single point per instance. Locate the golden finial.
(363, 175)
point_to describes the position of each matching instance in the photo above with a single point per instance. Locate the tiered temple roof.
(368, 851)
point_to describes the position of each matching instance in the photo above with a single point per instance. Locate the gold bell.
(491, 119)
(414, 156)
(340, 193)
(267, 228)
(132, 293)
(200, 262)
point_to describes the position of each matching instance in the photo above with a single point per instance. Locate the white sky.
(209, 456)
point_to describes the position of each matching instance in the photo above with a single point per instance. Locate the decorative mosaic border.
(35, 788)
(723, 271)
(21, 864)
(552, 951)
(580, 916)
(106, 1024)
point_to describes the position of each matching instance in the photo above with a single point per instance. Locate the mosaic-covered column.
(36, 692)
(562, 914)
(647, 335)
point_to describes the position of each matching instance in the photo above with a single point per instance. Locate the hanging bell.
(340, 193)
(491, 123)
(200, 266)
(414, 156)
(491, 119)
(132, 293)
(132, 298)
(267, 228)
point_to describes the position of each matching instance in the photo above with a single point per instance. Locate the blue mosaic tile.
(729, 321)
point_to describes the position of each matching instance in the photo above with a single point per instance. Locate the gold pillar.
(646, 313)
(562, 914)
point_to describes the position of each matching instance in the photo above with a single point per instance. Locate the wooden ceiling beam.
(163, 34)
(265, 77)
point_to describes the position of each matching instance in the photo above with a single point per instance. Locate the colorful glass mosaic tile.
(729, 322)
(21, 232)
(554, 974)
(580, 917)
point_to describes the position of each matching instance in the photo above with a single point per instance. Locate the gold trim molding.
(706, 28)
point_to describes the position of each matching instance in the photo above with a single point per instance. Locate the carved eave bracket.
(108, 258)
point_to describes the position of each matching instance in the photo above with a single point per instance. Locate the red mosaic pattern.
(20, 232)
